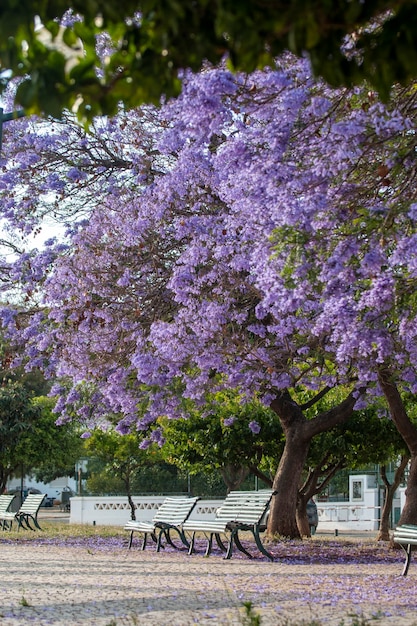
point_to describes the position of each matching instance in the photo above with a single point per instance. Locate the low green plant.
(359, 620)
(24, 602)
(250, 618)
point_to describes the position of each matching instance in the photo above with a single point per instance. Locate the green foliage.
(173, 35)
(250, 618)
(54, 449)
(30, 439)
(119, 460)
(17, 418)
(204, 442)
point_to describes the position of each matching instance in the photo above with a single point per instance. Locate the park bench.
(406, 537)
(242, 511)
(5, 503)
(170, 516)
(26, 515)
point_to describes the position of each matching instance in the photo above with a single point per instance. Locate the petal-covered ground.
(95, 580)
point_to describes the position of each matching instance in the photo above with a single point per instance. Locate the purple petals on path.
(328, 581)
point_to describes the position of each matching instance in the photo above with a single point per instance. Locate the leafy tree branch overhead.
(132, 51)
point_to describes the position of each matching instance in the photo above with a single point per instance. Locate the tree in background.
(262, 239)
(369, 437)
(55, 448)
(229, 436)
(17, 417)
(122, 457)
(30, 441)
(102, 54)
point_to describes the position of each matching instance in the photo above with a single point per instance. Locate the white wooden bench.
(406, 536)
(171, 515)
(242, 511)
(26, 515)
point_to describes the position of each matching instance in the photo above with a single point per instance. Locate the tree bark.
(301, 516)
(390, 489)
(126, 480)
(283, 513)
(408, 432)
(299, 432)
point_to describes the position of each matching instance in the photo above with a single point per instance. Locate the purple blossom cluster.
(231, 236)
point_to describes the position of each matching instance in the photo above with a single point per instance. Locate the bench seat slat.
(171, 515)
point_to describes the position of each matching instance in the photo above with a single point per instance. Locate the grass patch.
(57, 530)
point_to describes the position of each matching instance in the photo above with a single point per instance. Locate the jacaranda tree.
(257, 233)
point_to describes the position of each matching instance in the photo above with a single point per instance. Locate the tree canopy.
(30, 439)
(257, 232)
(133, 52)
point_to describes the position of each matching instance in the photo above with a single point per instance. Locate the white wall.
(115, 511)
(361, 512)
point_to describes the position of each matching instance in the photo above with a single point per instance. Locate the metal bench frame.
(242, 511)
(406, 537)
(170, 516)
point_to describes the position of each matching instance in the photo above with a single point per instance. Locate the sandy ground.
(78, 586)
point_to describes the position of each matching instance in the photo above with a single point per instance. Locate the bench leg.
(23, 522)
(229, 552)
(182, 537)
(144, 541)
(407, 550)
(163, 532)
(220, 542)
(35, 521)
(239, 545)
(131, 539)
(260, 545)
(192, 542)
(209, 545)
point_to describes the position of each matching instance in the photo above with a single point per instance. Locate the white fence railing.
(346, 516)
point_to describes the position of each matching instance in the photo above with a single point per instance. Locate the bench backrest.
(245, 507)
(175, 510)
(32, 503)
(5, 502)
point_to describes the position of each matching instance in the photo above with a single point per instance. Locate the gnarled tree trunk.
(299, 432)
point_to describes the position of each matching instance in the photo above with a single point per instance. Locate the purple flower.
(254, 427)
(229, 421)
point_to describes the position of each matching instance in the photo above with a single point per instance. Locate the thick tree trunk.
(4, 477)
(408, 432)
(282, 517)
(390, 489)
(299, 432)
